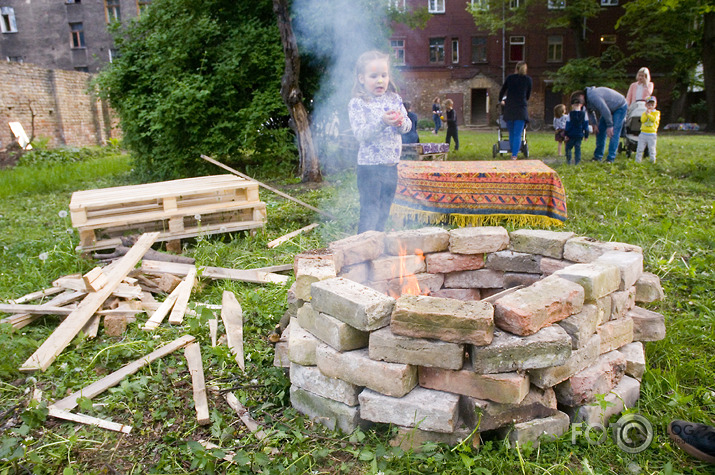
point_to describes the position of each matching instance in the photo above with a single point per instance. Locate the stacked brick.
(520, 332)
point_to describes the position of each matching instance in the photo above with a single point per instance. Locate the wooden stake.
(89, 420)
(70, 402)
(270, 188)
(36, 295)
(282, 239)
(196, 368)
(68, 329)
(213, 331)
(245, 417)
(232, 316)
(77, 283)
(92, 327)
(249, 275)
(182, 300)
(163, 310)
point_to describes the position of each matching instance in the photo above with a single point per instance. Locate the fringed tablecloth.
(525, 192)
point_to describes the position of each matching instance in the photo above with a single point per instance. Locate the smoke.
(333, 34)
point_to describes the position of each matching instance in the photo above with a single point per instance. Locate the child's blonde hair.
(559, 111)
(361, 64)
(448, 103)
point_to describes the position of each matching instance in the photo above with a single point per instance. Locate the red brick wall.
(64, 110)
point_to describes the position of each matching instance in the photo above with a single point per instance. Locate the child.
(411, 136)
(575, 130)
(560, 119)
(650, 120)
(451, 124)
(378, 119)
(436, 115)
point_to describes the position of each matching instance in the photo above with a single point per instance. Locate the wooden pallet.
(177, 209)
(417, 151)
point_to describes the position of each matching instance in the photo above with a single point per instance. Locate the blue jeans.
(619, 115)
(437, 123)
(376, 185)
(575, 144)
(516, 128)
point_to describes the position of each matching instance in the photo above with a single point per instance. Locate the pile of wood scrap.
(120, 293)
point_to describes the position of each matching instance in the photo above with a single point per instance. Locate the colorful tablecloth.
(480, 192)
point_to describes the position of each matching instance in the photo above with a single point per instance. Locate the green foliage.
(425, 124)
(43, 156)
(608, 71)
(200, 78)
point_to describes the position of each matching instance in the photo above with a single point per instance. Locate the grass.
(665, 208)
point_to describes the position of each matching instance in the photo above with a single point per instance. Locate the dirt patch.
(11, 155)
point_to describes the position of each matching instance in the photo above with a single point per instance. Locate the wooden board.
(248, 275)
(36, 295)
(244, 415)
(232, 316)
(289, 236)
(116, 377)
(196, 368)
(68, 329)
(163, 310)
(182, 300)
(88, 420)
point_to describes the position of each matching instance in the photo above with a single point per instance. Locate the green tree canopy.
(200, 77)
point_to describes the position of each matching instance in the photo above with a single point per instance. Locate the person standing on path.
(514, 94)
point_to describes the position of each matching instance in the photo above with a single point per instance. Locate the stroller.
(632, 128)
(502, 145)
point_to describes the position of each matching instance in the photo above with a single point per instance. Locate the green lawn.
(667, 209)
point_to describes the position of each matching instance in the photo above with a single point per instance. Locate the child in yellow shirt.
(649, 130)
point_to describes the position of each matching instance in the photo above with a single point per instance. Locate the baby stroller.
(502, 145)
(632, 128)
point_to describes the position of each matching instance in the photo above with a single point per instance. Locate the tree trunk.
(709, 66)
(293, 97)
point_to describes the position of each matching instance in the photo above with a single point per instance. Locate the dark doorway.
(551, 99)
(479, 107)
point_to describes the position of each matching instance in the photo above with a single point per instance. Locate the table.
(475, 193)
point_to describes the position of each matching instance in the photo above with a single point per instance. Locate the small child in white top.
(560, 118)
(378, 119)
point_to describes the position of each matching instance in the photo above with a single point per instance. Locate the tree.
(293, 97)
(675, 36)
(200, 77)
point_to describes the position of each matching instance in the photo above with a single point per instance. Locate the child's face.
(376, 77)
(650, 105)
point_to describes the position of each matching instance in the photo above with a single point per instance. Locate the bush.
(425, 124)
(39, 157)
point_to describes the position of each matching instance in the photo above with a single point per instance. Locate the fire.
(408, 283)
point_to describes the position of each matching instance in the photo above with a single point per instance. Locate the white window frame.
(517, 40)
(398, 46)
(436, 6)
(551, 40)
(8, 24)
(514, 4)
(438, 48)
(454, 51)
(556, 4)
(480, 5)
(486, 42)
(609, 3)
(398, 5)
(113, 12)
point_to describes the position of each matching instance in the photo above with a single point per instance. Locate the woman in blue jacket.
(515, 95)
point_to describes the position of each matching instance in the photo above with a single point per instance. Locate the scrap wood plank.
(176, 317)
(493, 298)
(122, 290)
(70, 402)
(196, 368)
(36, 295)
(232, 316)
(213, 331)
(245, 416)
(68, 329)
(163, 310)
(61, 311)
(95, 279)
(228, 454)
(21, 320)
(248, 275)
(89, 420)
(287, 237)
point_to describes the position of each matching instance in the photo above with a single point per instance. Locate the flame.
(408, 283)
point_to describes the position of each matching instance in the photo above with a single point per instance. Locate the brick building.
(62, 34)
(453, 58)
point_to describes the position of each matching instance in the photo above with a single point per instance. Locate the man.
(611, 107)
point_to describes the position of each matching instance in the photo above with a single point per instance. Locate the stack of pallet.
(176, 209)
(425, 151)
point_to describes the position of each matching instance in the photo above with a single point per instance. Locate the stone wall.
(520, 333)
(64, 110)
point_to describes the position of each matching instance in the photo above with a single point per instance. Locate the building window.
(142, 5)
(436, 50)
(608, 39)
(398, 5)
(436, 6)
(514, 4)
(73, 1)
(609, 3)
(555, 50)
(15, 59)
(556, 4)
(479, 49)
(398, 52)
(82, 69)
(480, 5)
(516, 48)
(77, 32)
(113, 54)
(112, 9)
(455, 51)
(7, 20)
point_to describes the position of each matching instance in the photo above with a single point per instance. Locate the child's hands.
(393, 118)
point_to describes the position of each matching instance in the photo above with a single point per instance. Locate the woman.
(515, 95)
(641, 89)
(436, 113)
